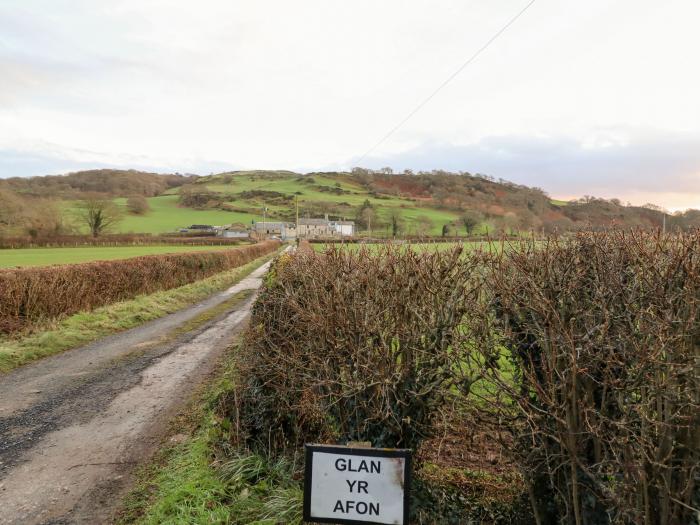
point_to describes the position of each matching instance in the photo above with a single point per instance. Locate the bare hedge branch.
(602, 383)
(353, 346)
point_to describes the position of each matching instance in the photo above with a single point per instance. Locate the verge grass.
(85, 327)
(187, 483)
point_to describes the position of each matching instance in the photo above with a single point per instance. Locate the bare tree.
(397, 223)
(11, 209)
(424, 224)
(100, 215)
(470, 220)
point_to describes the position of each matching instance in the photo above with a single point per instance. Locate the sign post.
(348, 485)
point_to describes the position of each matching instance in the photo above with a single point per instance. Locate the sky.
(579, 98)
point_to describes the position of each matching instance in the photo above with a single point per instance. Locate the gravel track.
(74, 426)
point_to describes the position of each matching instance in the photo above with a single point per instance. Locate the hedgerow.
(117, 239)
(31, 295)
(353, 346)
(592, 346)
(585, 351)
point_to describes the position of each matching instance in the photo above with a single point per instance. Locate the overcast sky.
(596, 97)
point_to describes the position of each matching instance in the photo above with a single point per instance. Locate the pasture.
(338, 192)
(246, 195)
(166, 216)
(22, 257)
(242, 196)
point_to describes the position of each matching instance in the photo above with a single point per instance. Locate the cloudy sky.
(598, 97)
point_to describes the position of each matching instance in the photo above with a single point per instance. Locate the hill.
(421, 203)
(116, 183)
(406, 203)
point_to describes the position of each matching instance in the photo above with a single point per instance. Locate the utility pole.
(296, 202)
(264, 221)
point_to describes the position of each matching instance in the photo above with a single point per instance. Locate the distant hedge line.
(30, 295)
(69, 241)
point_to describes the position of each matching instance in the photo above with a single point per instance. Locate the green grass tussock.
(202, 481)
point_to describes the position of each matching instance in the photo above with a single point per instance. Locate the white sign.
(356, 485)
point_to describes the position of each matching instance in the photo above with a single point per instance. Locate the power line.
(448, 80)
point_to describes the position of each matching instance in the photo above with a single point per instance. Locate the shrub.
(352, 346)
(137, 204)
(30, 295)
(199, 197)
(593, 346)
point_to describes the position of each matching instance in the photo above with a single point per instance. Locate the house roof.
(269, 224)
(310, 222)
(344, 223)
(273, 224)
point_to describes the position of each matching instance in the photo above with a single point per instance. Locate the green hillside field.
(165, 216)
(335, 190)
(334, 194)
(242, 196)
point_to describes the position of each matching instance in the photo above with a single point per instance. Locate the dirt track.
(73, 426)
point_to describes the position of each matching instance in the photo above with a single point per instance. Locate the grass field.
(333, 191)
(46, 256)
(166, 216)
(339, 195)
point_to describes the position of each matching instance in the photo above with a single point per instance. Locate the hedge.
(31, 295)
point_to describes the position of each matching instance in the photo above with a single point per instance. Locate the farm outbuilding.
(283, 230)
(343, 228)
(234, 234)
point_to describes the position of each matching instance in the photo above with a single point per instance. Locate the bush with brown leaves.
(31, 295)
(353, 346)
(593, 354)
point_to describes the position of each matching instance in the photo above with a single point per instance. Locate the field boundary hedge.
(411, 239)
(72, 241)
(32, 295)
(581, 354)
